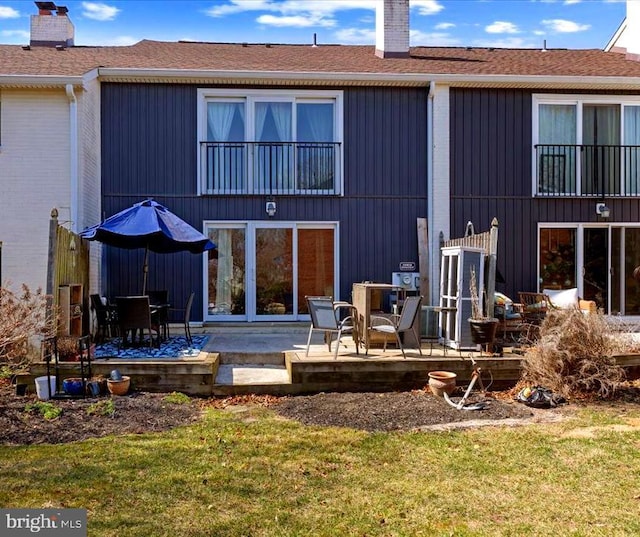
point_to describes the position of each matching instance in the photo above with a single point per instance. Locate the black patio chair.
(134, 314)
(106, 319)
(187, 317)
(160, 315)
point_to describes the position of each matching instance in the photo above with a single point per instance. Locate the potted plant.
(483, 327)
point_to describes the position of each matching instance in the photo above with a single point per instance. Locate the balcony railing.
(303, 168)
(588, 170)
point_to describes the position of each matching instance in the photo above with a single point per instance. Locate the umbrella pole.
(145, 271)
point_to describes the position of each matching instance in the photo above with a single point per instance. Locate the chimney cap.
(62, 10)
(46, 6)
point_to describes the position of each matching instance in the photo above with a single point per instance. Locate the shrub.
(23, 316)
(48, 411)
(575, 355)
(177, 398)
(67, 347)
(102, 408)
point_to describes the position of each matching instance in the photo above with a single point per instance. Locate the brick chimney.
(49, 30)
(392, 29)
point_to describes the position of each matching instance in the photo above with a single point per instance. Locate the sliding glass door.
(599, 260)
(262, 271)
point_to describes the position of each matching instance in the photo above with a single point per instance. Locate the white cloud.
(571, 2)
(444, 26)
(15, 33)
(432, 39)
(297, 21)
(291, 7)
(507, 42)
(356, 36)
(326, 6)
(318, 8)
(501, 27)
(292, 13)
(309, 13)
(564, 26)
(426, 7)
(8, 13)
(108, 41)
(238, 6)
(99, 12)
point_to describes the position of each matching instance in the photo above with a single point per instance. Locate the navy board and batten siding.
(149, 149)
(491, 176)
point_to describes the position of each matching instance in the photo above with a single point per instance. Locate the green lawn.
(255, 474)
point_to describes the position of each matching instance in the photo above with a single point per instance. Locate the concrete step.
(252, 358)
(251, 375)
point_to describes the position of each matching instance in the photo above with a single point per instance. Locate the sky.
(477, 23)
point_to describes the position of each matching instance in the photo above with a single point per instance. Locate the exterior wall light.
(602, 210)
(271, 207)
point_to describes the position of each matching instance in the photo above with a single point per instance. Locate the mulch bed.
(143, 412)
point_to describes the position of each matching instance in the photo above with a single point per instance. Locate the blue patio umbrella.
(151, 226)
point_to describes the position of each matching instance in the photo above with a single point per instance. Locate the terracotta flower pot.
(441, 382)
(119, 387)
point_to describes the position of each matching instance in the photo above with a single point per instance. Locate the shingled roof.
(158, 60)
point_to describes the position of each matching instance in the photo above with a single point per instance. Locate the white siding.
(34, 178)
(89, 194)
(441, 186)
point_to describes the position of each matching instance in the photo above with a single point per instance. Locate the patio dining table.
(158, 315)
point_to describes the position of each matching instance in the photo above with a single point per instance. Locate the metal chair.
(398, 324)
(324, 318)
(187, 317)
(161, 315)
(106, 319)
(134, 313)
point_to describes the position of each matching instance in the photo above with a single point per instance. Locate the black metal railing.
(310, 168)
(588, 170)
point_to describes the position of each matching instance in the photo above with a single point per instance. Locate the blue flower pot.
(73, 386)
(116, 375)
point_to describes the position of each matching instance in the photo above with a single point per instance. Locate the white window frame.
(250, 227)
(580, 253)
(577, 100)
(250, 97)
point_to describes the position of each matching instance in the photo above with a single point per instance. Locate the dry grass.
(574, 355)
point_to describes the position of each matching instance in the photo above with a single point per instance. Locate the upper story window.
(270, 142)
(586, 146)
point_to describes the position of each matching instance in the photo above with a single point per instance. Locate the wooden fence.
(68, 264)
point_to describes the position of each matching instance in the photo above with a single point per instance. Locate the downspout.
(431, 232)
(73, 156)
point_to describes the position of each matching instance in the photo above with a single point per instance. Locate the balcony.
(587, 170)
(283, 168)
